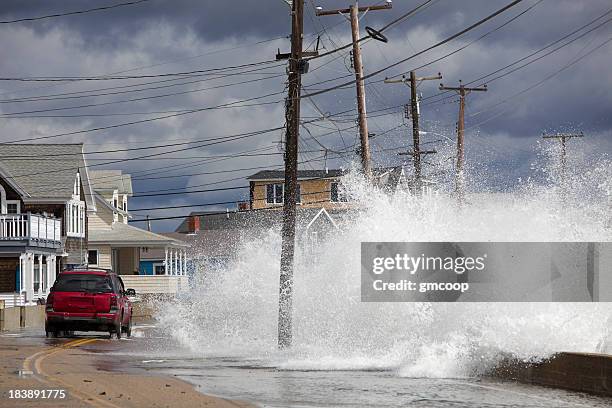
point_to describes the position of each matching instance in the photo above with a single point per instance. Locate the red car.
(89, 300)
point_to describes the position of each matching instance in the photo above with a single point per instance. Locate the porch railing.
(20, 227)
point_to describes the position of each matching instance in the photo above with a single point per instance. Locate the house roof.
(111, 180)
(302, 174)
(328, 173)
(259, 219)
(45, 171)
(120, 234)
(211, 243)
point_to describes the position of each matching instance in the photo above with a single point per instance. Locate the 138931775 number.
(37, 394)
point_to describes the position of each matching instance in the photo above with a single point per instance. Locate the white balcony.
(30, 229)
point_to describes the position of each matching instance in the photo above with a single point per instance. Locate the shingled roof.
(44, 171)
(302, 174)
(120, 234)
(110, 180)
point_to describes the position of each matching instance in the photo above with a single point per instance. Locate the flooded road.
(251, 380)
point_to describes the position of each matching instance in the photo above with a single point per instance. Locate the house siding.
(314, 193)
(77, 251)
(104, 256)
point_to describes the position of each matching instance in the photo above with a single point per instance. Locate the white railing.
(12, 299)
(30, 226)
(160, 284)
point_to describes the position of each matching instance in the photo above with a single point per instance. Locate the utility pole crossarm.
(321, 13)
(406, 81)
(417, 153)
(562, 135)
(462, 88)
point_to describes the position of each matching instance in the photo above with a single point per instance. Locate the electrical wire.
(70, 13)
(436, 45)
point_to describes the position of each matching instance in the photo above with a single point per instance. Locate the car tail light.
(49, 303)
(113, 302)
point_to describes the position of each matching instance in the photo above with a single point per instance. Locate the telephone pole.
(463, 91)
(563, 137)
(353, 12)
(297, 66)
(416, 153)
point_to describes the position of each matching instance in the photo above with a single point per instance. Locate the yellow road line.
(37, 360)
(27, 363)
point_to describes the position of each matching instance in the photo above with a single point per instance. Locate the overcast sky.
(504, 124)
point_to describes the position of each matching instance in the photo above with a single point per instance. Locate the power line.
(10, 114)
(472, 42)
(436, 45)
(70, 13)
(539, 83)
(228, 139)
(533, 54)
(222, 106)
(401, 18)
(129, 77)
(79, 94)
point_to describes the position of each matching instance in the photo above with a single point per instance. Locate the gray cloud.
(174, 32)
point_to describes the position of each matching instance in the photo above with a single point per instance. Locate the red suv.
(89, 300)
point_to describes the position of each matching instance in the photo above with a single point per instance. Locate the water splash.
(235, 312)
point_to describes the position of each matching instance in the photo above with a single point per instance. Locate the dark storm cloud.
(174, 32)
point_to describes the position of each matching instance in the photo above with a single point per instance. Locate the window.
(36, 276)
(337, 193)
(71, 282)
(77, 186)
(13, 207)
(124, 203)
(275, 193)
(159, 269)
(75, 219)
(92, 257)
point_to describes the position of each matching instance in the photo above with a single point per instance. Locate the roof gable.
(44, 172)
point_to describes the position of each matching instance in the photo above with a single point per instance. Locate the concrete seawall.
(590, 373)
(15, 318)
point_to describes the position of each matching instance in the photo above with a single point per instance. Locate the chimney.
(148, 224)
(194, 224)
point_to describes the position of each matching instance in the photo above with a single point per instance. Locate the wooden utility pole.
(296, 67)
(353, 12)
(563, 137)
(463, 91)
(416, 153)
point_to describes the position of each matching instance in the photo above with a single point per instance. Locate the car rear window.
(83, 283)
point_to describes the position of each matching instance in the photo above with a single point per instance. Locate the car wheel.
(128, 329)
